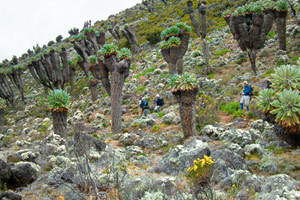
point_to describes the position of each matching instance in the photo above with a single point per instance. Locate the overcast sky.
(24, 23)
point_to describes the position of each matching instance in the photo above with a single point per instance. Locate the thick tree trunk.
(206, 55)
(252, 57)
(93, 88)
(281, 29)
(1, 119)
(60, 122)
(194, 21)
(117, 81)
(186, 100)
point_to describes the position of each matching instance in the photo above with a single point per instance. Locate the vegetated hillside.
(150, 158)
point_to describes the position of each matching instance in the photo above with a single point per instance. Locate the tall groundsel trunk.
(60, 122)
(187, 100)
(93, 88)
(281, 29)
(117, 81)
(1, 119)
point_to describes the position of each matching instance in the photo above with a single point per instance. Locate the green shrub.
(231, 108)
(140, 89)
(156, 128)
(239, 113)
(160, 114)
(58, 99)
(241, 60)
(151, 69)
(272, 34)
(211, 75)
(222, 52)
(251, 115)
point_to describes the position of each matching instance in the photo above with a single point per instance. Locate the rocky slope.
(150, 158)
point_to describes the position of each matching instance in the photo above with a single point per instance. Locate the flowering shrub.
(201, 169)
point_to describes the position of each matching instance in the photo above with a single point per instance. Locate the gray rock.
(5, 173)
(278, 182)
(225, 162)
(169, 118)
(128, 139)
(24, 173)
(10, 196)
(182, 157)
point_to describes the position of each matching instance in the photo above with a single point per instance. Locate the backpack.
(251, 91)
(160, 102)
(144, 104)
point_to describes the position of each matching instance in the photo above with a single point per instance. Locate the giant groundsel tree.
(200, 27)
(251, 23)
(174, 44)
(184, 88)
(117, 63)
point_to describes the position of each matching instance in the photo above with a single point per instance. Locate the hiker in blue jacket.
(159, 103)
(247, 93)
(143, 105)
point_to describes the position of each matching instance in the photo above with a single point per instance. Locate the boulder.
(5, 173)
(10, 196)
(24, 173)
(182, 157)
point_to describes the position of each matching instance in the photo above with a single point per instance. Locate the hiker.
(159, 103)
(268, 84)
(247, 93)
(143, 105)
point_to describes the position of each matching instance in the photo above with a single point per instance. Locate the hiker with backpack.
(159, 103)
(143, 105)
(247, 93)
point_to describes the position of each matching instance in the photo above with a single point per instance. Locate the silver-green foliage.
(264, 99)
(109, 49)
(286, 77)
(124, 53)
(183, 82)
(58, 99)
(287, 107)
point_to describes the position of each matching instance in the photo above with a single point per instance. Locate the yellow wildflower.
(233, 186)
(195, 167)
(44, 124)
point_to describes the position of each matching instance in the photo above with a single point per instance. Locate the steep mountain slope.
(149, 160)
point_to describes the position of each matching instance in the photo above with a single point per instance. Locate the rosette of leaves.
(109, 49)
(88, 29)
(173, 41)
(124, 53)
(182, 25)
(2, 70)
(172, 31)
(163, 44)
(58, 100)
(286, 77)
(287, 108)
(264, 100)
(78, 59)
(281, 6)
(183, 82)
(72, 63)
(92, 60)
(240, 11)
(227, 13)
(10, 69)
